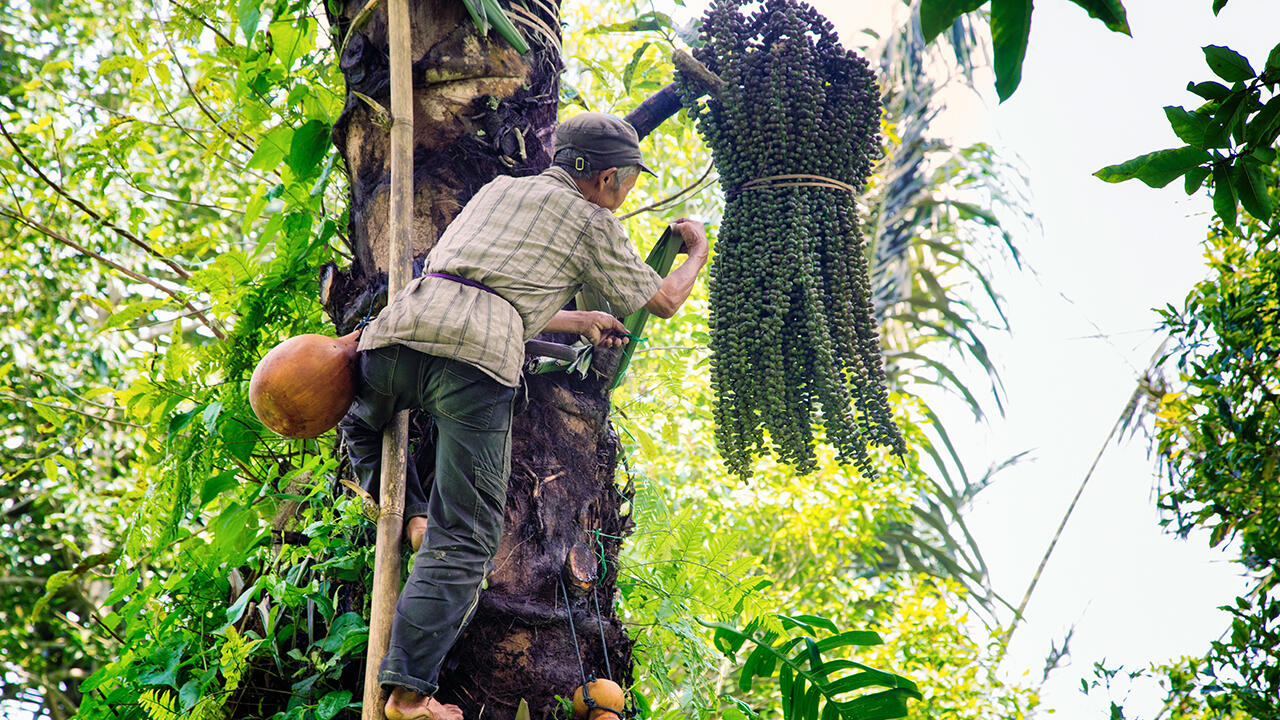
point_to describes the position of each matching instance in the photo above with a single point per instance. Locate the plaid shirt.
(535, 241)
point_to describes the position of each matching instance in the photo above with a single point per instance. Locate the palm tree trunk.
(481, 109)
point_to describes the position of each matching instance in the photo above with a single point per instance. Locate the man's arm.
(599, 328)
(679, 283)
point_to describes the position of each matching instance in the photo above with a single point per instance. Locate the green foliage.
(1010, 29)
(1159, 168)
(939, 15)
(1218, 436)
(809, 685)
(165, 186)
(488, 13)
(1230, 138)
(1242, 673)
(794, 133)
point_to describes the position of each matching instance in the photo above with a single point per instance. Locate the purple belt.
(464, 281)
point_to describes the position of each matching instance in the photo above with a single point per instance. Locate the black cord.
(604, 647)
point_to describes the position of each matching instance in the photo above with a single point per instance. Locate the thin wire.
(574, 634)
(604, 647)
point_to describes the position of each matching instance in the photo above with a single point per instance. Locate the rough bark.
(482, 110)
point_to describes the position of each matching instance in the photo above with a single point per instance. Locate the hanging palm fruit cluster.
(794, 132)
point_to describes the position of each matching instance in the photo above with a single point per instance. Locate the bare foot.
(416, 529)
(408, 705)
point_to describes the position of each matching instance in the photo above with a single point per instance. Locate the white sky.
(1106, 256)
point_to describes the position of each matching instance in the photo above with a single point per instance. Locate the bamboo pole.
(395, 440)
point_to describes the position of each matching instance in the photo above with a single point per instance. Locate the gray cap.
(593, 141)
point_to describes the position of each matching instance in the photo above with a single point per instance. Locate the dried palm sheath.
(794, 132)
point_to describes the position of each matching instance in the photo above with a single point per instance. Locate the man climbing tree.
(452, 344)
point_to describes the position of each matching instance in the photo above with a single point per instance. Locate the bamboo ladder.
(395, 440)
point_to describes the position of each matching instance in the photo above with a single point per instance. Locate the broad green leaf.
(1010, 28)
(1189, 127)
(938, 15)
(257, 202)
(1265, 126)
(1195, 178)
(216, 485)
(867, 678)
(505, 28)
(348, 631)
(1156, 169)
(1224, 196)
(648, 21)
(1272, 68)
(308, 147)
(1251, 188)
(210, 416)
(249, 12)
(164, 667)
(884, 705)
(629, 73)
(1209, 89)
(52, 417)
(133, 311)
(332, 704)
(849, 639)
(52, 585)
(179, 422)
(292, 39)
(1110, 12)
(1228, 64)
(751, 668)
(123, 584)
(273, 148)
(812, 621)
(1218, 5)
(235, 530)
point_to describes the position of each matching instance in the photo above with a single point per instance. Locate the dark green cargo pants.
(464, 505)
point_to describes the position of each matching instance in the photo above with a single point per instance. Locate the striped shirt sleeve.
(613, 266)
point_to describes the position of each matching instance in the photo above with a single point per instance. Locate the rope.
(798, 180)
(608, 672)
(568, 611)
(582, 670)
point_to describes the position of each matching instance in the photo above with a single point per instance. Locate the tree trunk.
(481, 109)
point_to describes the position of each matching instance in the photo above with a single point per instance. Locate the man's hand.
(694, 235)
(679, 283)
(599, 328)
(602, 329)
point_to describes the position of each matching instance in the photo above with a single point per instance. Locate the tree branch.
(657, 205)
(66, 408)
(26, 160)
(203, 21)
(655, 110)
(54, 235)
(200, 103)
